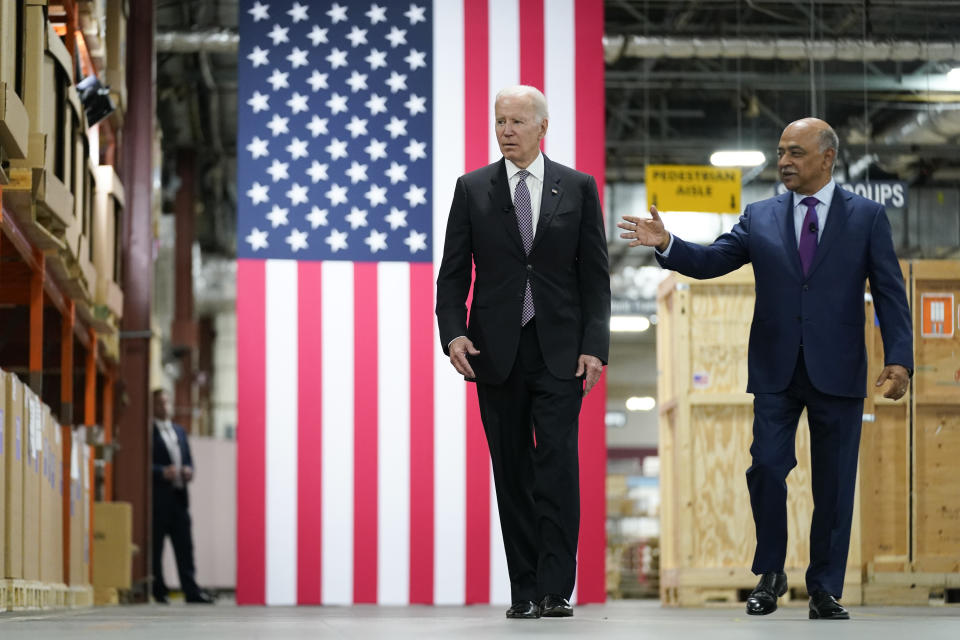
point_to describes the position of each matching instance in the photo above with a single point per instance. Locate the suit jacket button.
(806, 287)
(529, 267)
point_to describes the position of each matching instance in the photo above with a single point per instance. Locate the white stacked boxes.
(34, 418)
(13, 448)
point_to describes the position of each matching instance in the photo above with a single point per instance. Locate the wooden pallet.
(3, 595)
(729, 587)
(22, 595)
(106, 596)
(911, 588)
(81, 597)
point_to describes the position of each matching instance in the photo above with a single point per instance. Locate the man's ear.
(543, 128)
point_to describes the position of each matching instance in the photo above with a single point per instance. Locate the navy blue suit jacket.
(163, 489)
(823, 309)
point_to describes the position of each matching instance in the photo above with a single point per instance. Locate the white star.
(357, 36)
(396, 127)
(376, 104)
(377, 241)
(318, 35)
(337, 240)
(397, 81)
(415, 14)
(376, 14)
(416, 104)
(337, 103)
(317, 171)
(317, 217)
(357, 218)
(298, 57)
(416, 241)
(279, 35)
(297, 194)
(297, 148)
(397, 218)
(397, 173)
(357, 127)
(278, 125)
(416, 150)
(278, 79)
(376, 59)
(357, 172)
(317, 126)
(318, 80)
(376, 195)
(397, 37)
(257, 239)
(337, 13)
(258, 148)
(258, 193)
(357, 81)
(278, 170)
(337, 58)
(416, 195)
(336, 195)
(258, 57)
(337, 149)
(278, 216)
(376, 149)
(297, 103)
(259, 102)
(299, 12)
(416, 59)
(297, 240)
(259, 12)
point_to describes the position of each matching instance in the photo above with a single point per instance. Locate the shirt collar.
(825, 195)
(535, 169)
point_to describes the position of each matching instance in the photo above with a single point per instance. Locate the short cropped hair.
(521, 90)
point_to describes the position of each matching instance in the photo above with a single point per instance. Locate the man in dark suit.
(536, 341)
(813, 249)
(172, 471)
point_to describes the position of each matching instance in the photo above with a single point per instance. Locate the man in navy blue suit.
(812, 249)
(172, 471)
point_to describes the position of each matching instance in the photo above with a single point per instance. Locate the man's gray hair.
(828, 140)
(522, 90)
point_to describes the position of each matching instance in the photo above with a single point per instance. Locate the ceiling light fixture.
(645, 403)
(626, 324)
(954, 75)
(737, 158)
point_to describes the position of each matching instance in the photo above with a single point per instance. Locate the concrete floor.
(633, 620)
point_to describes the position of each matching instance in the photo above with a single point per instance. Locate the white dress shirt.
(170, 439)
(534, 184)
(825, 196)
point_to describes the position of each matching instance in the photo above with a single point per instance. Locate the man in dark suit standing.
(536, 341)
(172, 471)
(813, 249)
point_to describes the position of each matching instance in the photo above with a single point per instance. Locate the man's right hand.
(459, 349)
(170, 473)
(648, 232)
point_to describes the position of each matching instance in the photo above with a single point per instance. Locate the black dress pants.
(171, 517)
(531, 423)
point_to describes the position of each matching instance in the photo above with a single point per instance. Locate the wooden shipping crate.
(706, 424)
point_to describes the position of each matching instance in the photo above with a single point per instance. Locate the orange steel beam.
(90, 389)
(36, 323)
(66, 364)
(108, 436)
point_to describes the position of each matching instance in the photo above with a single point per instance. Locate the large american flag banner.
(363, 470)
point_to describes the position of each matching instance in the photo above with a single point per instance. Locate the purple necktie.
(521, 203)
(808, 234)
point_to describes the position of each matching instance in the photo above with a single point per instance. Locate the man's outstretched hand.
(648, 232)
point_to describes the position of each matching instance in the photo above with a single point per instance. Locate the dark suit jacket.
(164, 493)
(567, 266)
(825, 308)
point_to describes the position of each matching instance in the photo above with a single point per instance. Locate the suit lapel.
(789, 234)
(550, 199)
(836, 222)
(502, 205)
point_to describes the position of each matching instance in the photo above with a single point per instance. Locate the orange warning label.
(937, 315)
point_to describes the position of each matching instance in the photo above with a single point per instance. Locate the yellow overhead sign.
(675, 187)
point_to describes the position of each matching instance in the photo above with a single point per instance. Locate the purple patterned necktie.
(521, 204)
(808, 234)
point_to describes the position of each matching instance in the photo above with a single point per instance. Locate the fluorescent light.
(629, 323)
(646, 403)
(737, 158)
(954, 75)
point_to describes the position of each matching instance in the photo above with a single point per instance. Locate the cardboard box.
(14, 123)
(13, 465)
(118, 11)
(107, 236)
(112, 544)
(79, 510)
(3, 472)
(51, 519)
(33, 431)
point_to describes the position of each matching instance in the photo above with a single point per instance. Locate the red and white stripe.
(363, 471)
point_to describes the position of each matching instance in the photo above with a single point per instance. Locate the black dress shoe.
(554, 606)
(161, 600)
(763, 599)
(201, 598)
(824, 606)
(524, 609)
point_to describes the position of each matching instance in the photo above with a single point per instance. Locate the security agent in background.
(813, 249)
(172, 471)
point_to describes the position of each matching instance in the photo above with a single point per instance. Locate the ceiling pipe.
(616, 47)
(211, 41)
